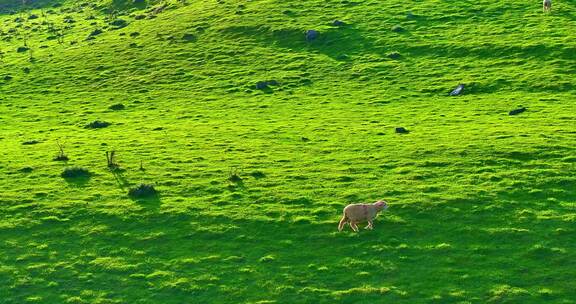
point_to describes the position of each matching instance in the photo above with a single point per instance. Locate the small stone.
(401, 130)
(517, 111)
(394, 55)
(312, 35)
(261, 85)
(458, 90)
(397, 29)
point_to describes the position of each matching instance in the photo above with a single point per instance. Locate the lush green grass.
(482, 203)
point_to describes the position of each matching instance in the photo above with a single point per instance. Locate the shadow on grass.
(333, 42)
(77, 181)
(121, 180)
(150, 204)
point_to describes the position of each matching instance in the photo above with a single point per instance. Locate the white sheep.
(357, 213)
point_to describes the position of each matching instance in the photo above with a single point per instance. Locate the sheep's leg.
(342, 223)
(354, 226)
(370, 225)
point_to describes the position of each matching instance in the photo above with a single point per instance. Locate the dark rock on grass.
(305, 139)
(119, 23)
(22, 49)
(30, 142)
(338, 23)
(8, 78)
(143, 191)
(134, 34)
(189, 38)
(26, 170)
(26, 70)
(398, 29)
(139, 17)
(75, 173)
(517, 111)
(95, 32)
(312, 35)
(345, 179)
(33, 16)
(258, 174)
(401, 130)
(458, 90)
(394, 55)
(262, 85)
(97, 125)
(117, 107)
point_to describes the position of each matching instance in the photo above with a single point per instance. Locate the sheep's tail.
(343, 222)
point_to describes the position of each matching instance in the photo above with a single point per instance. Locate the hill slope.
(252, 181)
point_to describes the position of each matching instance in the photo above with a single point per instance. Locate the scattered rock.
(189, 37)
(75, 172)
(258, 174)
(97, 125)
(338, 23)
(398, 29)
(394, 55)
(312, 35)
(458, 90)
(134, 34)
(33, 16)
(517, 111)
(22, 49)
(305, 139)
(119, 23)
(401, 130)
(143, 191)
(262, 85)
(95, 32)
(117, 107)
(26, 70)
(30, 142)
(8, 78)
(26, 170)
(139, 17)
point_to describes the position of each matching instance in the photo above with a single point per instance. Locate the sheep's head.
(381, 205)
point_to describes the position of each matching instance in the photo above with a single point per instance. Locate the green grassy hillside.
(252, 181)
